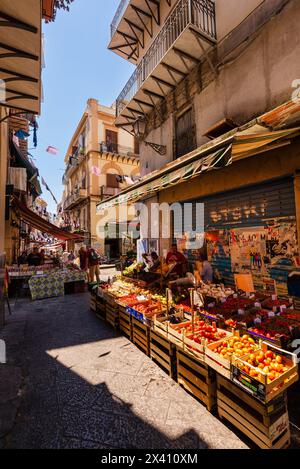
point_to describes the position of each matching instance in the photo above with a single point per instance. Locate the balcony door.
(185, 134)
(111, 138)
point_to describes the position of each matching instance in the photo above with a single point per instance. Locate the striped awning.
(31, 218)
(240, 143)
(220, 158)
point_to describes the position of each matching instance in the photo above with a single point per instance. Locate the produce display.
(216, 291)
(266, 365)
(236, 346)
(201, 331)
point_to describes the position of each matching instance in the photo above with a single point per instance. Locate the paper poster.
(248, 249)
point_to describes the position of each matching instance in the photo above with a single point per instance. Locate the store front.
(249, 230)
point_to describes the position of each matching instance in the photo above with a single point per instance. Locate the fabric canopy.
(34, 220)
(243, 142)
(220, 158)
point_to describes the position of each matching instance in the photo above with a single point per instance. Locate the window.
(185, 134)
(112, 141)
(112, 181)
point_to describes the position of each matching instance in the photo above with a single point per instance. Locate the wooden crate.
(101, 309)
(197, 378)
(125, 322)
(259, 386)
(93, 300)
(112, 315)
(163, 352)
(141, 336)
(265, 425)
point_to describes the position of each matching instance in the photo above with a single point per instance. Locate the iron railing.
(116, 149)
(199, 13)
(117, 18)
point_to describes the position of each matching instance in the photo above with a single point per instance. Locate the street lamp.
(139, 129)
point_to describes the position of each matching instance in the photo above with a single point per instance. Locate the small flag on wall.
(52, 150)
(22, 135)
(96, 171)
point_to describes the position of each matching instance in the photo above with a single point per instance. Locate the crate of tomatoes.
(265, 373)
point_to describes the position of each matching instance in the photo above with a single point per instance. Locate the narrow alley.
(70, 382)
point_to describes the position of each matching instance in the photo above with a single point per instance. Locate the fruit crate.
(163, 353)
(216, 361)
(112, 314)
(125, 322)
(141, 336)
(265, 425)
(93, 300)
(255, 381)
(101, 309)
(196, 378)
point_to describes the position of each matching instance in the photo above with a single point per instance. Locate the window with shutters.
(112, 181)
(185, 134)
(112, 141)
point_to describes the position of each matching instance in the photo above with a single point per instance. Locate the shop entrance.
(251, 230)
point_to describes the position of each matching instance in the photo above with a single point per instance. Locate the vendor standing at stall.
(34, 259)
(176, 257)
(206, 273)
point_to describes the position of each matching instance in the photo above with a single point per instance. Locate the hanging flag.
(49, 190)
(22, 135)
(52, 150)
(16, 140)
(96, 171)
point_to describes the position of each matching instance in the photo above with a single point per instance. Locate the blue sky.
(78, 67)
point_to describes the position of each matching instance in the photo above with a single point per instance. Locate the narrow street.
(70, 382)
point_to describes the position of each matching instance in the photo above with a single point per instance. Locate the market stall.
(209, 346)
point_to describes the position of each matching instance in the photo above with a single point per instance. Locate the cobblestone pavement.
(70, 382)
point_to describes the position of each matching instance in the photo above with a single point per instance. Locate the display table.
(53, 285)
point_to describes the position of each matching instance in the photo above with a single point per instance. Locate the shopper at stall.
(34, 258)
(23, 258)
(71, 257)
(206, 272)
(176, 257)
(43, 256)
(83, 256)
(93, 264)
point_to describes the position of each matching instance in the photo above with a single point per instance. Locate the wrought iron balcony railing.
(116, 149)
(118, 16)
(198, 13)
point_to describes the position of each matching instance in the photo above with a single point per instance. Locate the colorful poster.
(248, 249)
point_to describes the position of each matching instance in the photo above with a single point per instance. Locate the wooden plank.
(165, 343)
(201, 368)
(142, 345)
(247, 398)
(282, 441)
(162, 362)
(193, 379)
(202, 396)
(242, 416)
(161, 353)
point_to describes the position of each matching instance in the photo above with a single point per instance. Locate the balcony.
(118, 16)
(117, 149)
(182, 42)
(108, 191)
(74, 199)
